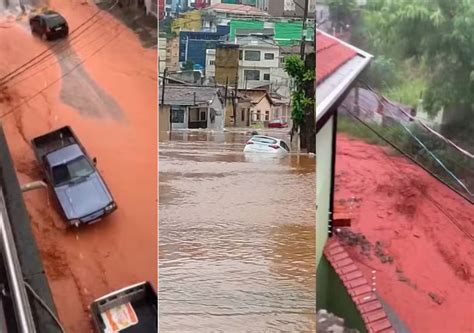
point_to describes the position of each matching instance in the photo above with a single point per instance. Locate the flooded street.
(237, 237)
(103, 85)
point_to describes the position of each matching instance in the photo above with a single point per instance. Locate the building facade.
(162, 54)
(193, 45)
(227, 64)
(258, 60)
(194, 107)
(210, 63)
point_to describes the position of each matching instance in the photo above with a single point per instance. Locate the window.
(71, 171)
(284, 146)
(242, 114)
(267, 115)
(202, 116)
(241, 54)
(264, 140)
(269, 56)
(252, 75)
(266, 77)
(169, 2)
(252, 55)
(212, 62)
(258, 115)
(177, 114)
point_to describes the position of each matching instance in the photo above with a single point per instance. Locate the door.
(35, 24)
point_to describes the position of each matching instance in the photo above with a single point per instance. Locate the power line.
(59, 78)
(394, 146)
(13, 73)
(55, 62)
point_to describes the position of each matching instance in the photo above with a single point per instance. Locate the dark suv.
(49, 25)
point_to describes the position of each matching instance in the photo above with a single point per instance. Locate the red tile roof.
(330, 55)
(366, 301)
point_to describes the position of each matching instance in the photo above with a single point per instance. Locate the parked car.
(133, 309)
(266, 144)
(279, 123)
(49, 25)
(77, 184)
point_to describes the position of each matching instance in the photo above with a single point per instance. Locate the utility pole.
(303, 37)
(225, 97)
(234, 99)
(165, 73)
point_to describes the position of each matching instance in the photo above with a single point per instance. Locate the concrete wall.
(172, 55)
(263, 106)
(323, 185)
(162, 54)
(218, 107)
(289, 8)
(210, 62)
(227, 65)
(189, 21)
(28, 253)
(164, 118)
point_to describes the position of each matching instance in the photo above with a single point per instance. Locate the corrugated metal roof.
(188, 95)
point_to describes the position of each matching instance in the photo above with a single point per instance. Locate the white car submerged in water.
(266, 144)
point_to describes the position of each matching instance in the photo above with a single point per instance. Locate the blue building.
(193, 44)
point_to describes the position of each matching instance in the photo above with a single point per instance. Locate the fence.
(397, 125)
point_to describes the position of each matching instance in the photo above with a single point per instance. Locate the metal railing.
(17, 288)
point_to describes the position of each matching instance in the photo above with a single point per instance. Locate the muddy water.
(237, 237)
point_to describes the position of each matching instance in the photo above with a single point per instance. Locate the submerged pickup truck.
(133, 309)
(79, 188)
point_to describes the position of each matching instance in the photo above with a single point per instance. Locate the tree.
(439, 35)
(340, 11)
(188, 65)
(302, 98)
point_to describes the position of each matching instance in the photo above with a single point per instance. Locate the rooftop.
(186, 95)
(237, 9)
(339, 65)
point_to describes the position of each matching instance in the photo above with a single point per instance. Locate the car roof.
(64, 155)
(50, 13)
(265, 137)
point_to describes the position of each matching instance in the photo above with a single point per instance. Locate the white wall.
(210, 57)
(323, 185)
(218, 124)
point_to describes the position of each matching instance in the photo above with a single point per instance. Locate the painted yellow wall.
(189, 21)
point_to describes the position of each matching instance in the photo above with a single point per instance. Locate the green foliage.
(188, 65)
(438, 34)
(297, 70)
(408, 93)
(340, 11)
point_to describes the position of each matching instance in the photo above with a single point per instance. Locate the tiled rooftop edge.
(357, 286)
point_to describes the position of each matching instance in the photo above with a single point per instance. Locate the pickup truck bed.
(53, 141)
(144, 301)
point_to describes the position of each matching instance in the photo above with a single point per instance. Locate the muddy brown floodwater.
(103, 85)
(237, 237)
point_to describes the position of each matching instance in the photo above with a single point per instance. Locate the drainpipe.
(33, 186)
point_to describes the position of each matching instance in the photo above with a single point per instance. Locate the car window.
(268, 141)
(55, 20)
(284, 146)
(73, 170)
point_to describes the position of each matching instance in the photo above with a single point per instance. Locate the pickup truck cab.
(133, 309)
(82, 194)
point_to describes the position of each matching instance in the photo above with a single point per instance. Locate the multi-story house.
(259, 63)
